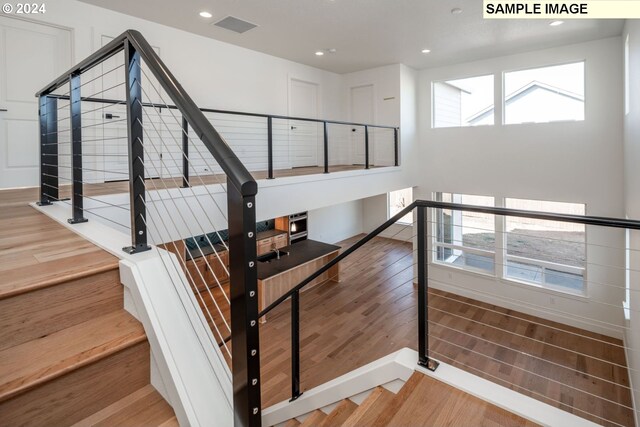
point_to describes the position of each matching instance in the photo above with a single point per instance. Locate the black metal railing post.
(75, 110)
(245, 335)
(136, 151)
(270, 146)
(366, 147)
(326, 147)
(185, 153)
(396, 154)
(423, 307)
(48, 111)
(295, 346)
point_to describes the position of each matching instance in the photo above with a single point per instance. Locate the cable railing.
(270, 146)
(568, 354)
(124, 144)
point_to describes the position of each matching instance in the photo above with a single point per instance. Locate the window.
(399, 200)
(465, 239)
(463, 102)
(545, 94)
(547, 253)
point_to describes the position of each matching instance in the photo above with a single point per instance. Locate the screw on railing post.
(423, 308)
(396, 153)
(185, 153)
(75, 110)
(245, 337)
(366, 147)
(326, 148)
(48, 112)
(136, 151)
(270, 146)
(295, 346)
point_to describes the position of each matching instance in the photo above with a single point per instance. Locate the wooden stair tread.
(370, 408)
(292, 423)
(37, 252)
(433, 403)
(396, 402)
(340, 413)
(35, 362)
(315, 419)
(144, 407)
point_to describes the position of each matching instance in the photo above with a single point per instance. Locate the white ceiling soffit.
(366, 33)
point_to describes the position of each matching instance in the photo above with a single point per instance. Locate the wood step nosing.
(58, 280)
(61, 372)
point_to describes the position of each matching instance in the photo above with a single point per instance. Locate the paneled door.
(303, 135)
(361, 112)
(31, 55)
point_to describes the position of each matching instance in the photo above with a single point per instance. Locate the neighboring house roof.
(522, 92)
(460, 88)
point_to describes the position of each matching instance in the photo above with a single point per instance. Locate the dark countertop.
(299, 253)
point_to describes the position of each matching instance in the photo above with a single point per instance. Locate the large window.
(545, 94)
(399, 200)
(465, 239)
(547, 253)
(463, 102)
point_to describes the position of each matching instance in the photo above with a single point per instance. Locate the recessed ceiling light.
(426, 50)
(333, 50)
(556, 23)
(319, 53)
(456, 11)
(206, 14)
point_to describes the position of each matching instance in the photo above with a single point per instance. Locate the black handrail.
(238, 175)
(423, 325)
(241, 191)
(549, 216)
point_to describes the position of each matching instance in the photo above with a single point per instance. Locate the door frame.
(290, 79)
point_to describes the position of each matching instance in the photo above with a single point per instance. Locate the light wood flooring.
(373, 312)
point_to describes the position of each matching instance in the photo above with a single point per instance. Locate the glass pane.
(469, 229)
(463, 102)
(399, 200)
(553, 244)
(465, 259)
(544, 94)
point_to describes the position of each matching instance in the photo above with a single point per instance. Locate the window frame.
(433, 100)
(501, 256)
(503, 93)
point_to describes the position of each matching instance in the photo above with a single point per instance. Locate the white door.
(112, 129)
(361, 112)
(31, 55)
(303, 135)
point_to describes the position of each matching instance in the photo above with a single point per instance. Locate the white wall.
(632, 199)
(335, 223)
(565, 161)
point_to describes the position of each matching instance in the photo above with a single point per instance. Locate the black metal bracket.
(430, 364)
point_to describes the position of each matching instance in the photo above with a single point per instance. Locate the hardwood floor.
(22, 196)
(372, 312)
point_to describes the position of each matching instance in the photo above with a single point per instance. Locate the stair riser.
(39, 313)
(82, 392)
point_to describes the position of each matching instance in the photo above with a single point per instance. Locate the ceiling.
(366, 33)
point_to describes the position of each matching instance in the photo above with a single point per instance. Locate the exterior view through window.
(399, 200)
(545, 94)
(548, 253)
(465, 239)
(463, 102)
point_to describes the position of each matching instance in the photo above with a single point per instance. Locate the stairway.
(422, 401)
(69, 352)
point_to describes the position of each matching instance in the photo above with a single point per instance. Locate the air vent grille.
(235, 24)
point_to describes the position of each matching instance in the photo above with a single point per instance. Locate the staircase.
(422, 401)
(69, 352)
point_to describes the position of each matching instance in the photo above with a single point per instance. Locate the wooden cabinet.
(265, 245)
(218, 267)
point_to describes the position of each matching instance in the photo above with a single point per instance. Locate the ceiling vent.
(235, 24)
